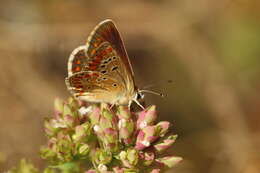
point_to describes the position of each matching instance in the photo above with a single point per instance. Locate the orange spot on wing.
(109, 49)
(95, 74)
(93, 51)
(77, 62)
(77, 68)
(103, 53)
(92, 67)
(86, 76)
(98, 58)
(81, 93)
(95, 44)
(95, 62)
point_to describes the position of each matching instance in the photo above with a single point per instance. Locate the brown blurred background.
(209, 49)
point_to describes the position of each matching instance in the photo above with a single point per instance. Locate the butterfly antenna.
(158, 83)
(149, 86)
(152, 92)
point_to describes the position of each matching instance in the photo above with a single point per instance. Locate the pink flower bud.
(165, 144)
(155, 171)
(146, 117)
(169, 161)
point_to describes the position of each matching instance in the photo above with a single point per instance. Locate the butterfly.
(100, 71)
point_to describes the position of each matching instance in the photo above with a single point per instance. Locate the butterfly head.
(139, 95)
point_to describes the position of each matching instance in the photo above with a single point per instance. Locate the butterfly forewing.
(106, 31)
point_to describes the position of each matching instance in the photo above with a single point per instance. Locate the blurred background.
(208, 49)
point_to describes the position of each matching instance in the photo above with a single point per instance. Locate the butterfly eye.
(139, 96)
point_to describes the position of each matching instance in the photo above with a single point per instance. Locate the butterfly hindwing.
(77, 60)
(91, 85)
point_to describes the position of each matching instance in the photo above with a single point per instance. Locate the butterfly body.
(100, 71)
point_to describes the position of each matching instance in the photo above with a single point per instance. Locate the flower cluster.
(105, 139)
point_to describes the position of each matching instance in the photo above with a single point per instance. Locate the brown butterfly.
(100, 71)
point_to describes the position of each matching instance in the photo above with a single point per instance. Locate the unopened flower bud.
(84, 110)
(83, 149)
(146, 117)
(165, 144)
(164, 126)
(102, 167)
(123, 112)
(81, 132)
(155, 171)
(102, 157)
(169, 161)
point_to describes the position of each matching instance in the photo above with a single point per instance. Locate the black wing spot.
(114, 85)
(103, 66)
(110, 59)
(114, 68)
(114, 57)
(104, 78)
(103, 71)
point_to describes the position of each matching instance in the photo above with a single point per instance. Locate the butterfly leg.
(111, 106)
(139, 104)
(129, 104)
